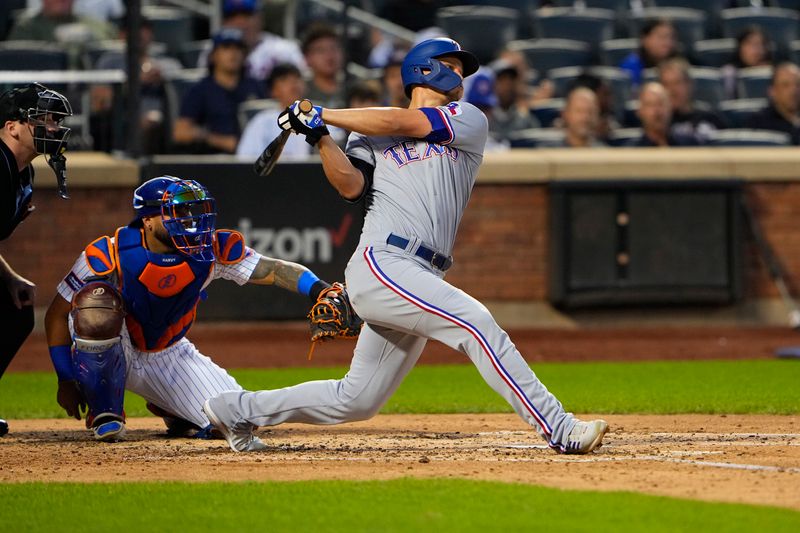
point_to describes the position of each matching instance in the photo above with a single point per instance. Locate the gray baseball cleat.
(586, 436)
(239, 435)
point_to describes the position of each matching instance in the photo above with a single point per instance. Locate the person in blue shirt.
(656, 43)
(207, 121)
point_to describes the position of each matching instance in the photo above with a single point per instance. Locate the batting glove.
(308, 124)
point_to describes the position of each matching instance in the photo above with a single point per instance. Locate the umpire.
(30, 125)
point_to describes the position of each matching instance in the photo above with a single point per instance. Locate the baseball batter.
(120, 317)
(414, 169)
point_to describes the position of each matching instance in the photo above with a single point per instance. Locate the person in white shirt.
(285, 85)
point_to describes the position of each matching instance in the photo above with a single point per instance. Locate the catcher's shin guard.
(100, 372)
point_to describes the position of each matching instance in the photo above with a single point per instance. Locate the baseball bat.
(269, 157)
(773, 265)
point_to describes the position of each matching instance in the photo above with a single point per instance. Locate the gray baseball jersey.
(419, 190)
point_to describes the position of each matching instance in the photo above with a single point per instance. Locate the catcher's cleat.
(3, 427)
(586, 436)
(111, 431)
(239, 435)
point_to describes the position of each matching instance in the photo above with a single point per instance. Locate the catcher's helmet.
(187, 211)
(421, 65)
(147, 197)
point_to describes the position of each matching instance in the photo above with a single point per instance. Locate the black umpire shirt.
(16, 191)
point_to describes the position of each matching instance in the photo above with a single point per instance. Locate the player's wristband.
(62, 361)
(310, 285)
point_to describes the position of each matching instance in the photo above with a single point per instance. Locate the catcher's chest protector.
(161, 291)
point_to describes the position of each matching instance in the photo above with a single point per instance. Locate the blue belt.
(440, 261)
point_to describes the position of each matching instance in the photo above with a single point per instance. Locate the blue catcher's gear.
(421, 65)
(189, 215)
(100, 372)
(188, 212)
(148, 196)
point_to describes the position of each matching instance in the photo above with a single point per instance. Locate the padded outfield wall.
(503, 254)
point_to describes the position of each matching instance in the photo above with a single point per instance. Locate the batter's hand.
(309, 124)
(70, 398)
(23, 291)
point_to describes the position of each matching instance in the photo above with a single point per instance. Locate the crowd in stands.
(221, 92)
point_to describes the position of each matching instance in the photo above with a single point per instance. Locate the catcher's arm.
(287, 275)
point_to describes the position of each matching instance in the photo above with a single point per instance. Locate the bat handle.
(305, 106)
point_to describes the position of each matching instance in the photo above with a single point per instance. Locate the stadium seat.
(547, 111)
(536, 138)
(172, 26)
(591, 26)
(708, 85)
(482, 30)
(689, 23)
(745, 137)
(754, 82)
(33, 55)
(614, 51)
(95, 50)
(780, 24)
(250, 108)
(618, 80)
(544, 55)
(622, 136)
(714, 52)
(190, 52)
(786, 4)
(737, 112)
(712, 9)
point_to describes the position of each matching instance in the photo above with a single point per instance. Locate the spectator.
(655, 114)
(56, 22)
(783, 111)
(364, 94)
(580, 117)
(656, 43)
(753, 49)
(207, 122)
(394, 92)
(511, 112)
(264, 50)
(286, 85)
(607, 120)
(479, 90)
(325, 59)
(687, 120)
(154, 109)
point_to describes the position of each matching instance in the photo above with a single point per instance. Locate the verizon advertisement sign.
(294, 215)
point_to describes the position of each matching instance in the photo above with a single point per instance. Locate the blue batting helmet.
(421, 65)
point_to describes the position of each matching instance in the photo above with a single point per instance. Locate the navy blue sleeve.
(442, 130)
(193, 104)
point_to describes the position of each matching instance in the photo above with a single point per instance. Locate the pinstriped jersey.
(421, 187)
(238, 272)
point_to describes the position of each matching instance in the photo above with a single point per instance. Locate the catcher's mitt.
(333, 316)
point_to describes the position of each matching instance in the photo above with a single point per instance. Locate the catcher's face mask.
(189, 216)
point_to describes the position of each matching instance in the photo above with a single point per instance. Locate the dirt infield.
(743, 459)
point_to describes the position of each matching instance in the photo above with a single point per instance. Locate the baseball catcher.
(120, 318)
